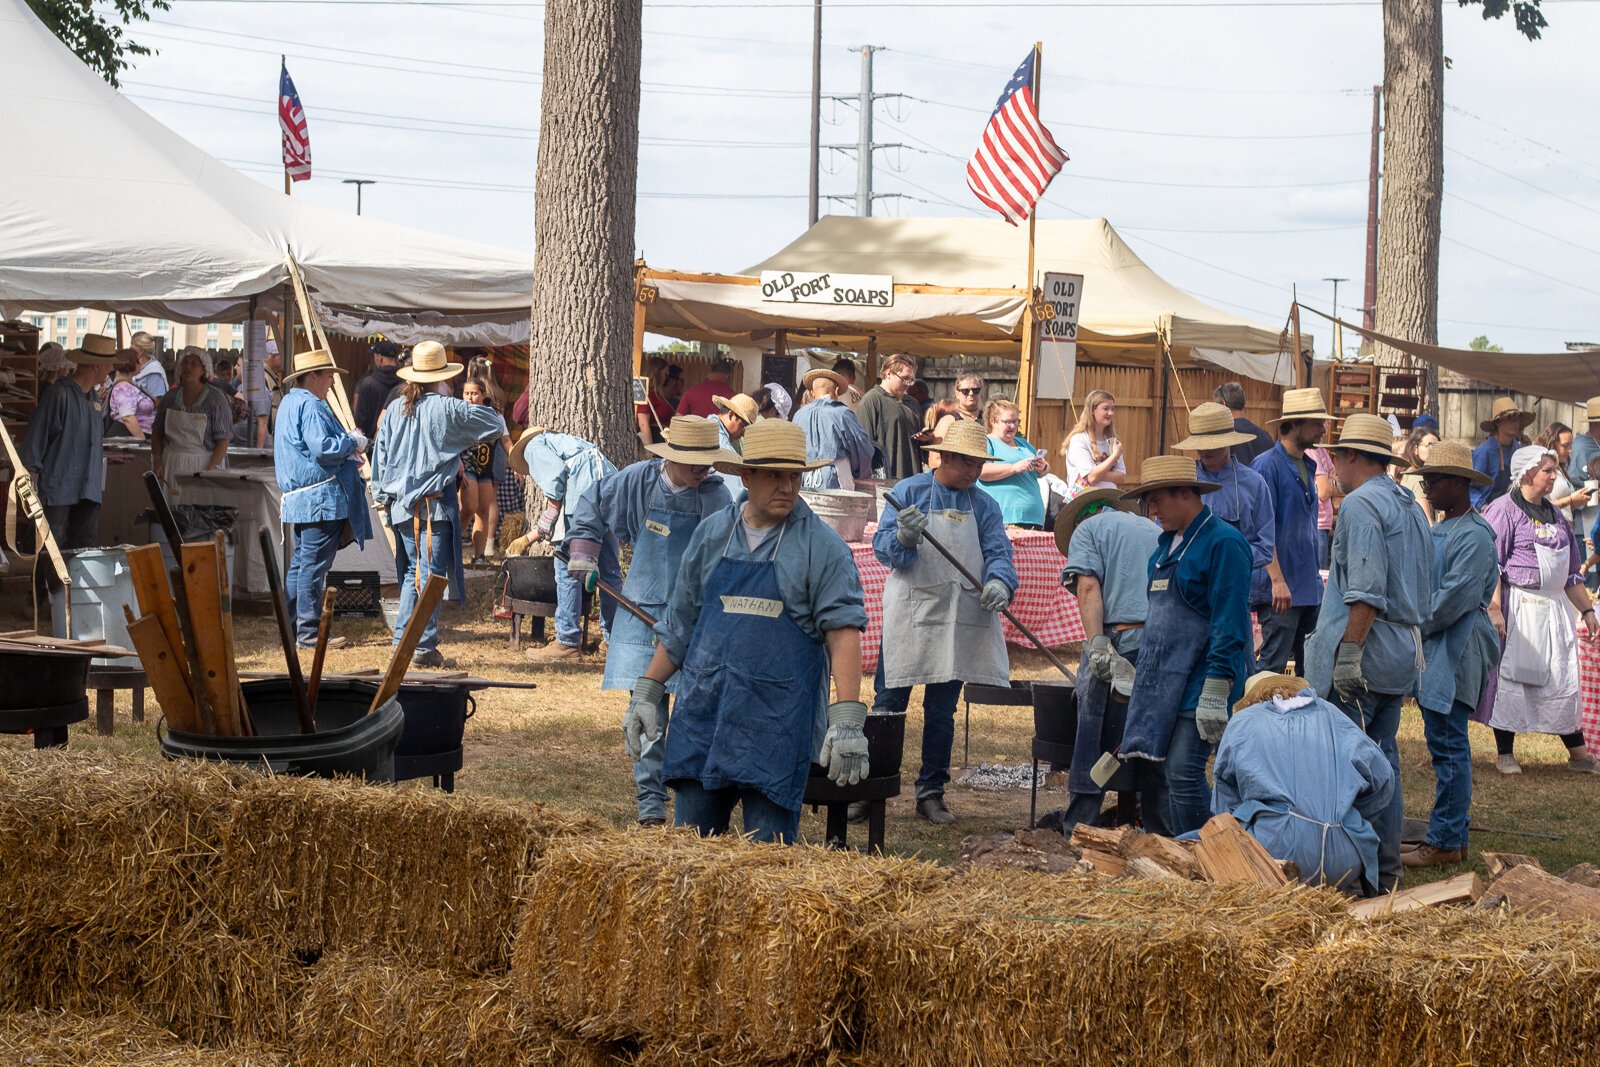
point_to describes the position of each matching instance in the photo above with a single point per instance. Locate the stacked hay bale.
(1443, 985)
(48, 1039)
(708, 951)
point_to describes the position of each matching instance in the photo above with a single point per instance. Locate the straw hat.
(96, 348)
(1265, 685)
(741, 405)
(516, 458)
(1368, 434)
(838, 380)
(1451, 457)
(314, 360)
(1592, 409)
(1073, 513)
(1211, 426)
(1505, 408)
(695, 441)
(1169, 472)
(964, 438)
(770, 445)
(1302, 404)
(430, 363)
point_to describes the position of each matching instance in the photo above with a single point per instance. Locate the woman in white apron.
(1541, 595)
(193, 424)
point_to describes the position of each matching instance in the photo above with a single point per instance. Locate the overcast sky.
(1228, 145)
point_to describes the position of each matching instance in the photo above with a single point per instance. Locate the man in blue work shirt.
(1194, 656)
(1294, 582)
(1242, 499)
(1366, 653)
(1492, 457)
(62, 450)
(1231, 396)
(1586, 447)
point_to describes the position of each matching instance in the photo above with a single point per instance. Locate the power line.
(1117, 83)
(1522, 225)
(1156, 133)
(1523, 137)
(1524, 181)
(1521, 267)
(872, 5)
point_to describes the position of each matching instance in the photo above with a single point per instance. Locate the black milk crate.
(357, 593)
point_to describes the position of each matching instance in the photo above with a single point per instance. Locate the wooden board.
(1462, 889)
(148, 569)
(400, 662)
(1533, 891)
(1228, 854)
(164, 669)
(204, 598)
(225, 588)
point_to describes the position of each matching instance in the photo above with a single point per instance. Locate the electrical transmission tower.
(865, 147)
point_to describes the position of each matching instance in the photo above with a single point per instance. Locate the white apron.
(1538, 685)
(934, 629)
(185, 449)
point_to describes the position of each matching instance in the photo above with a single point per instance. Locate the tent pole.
(638, 320)
(1027, 370)
(1299, 350)
(872, 359)
(1166, 390)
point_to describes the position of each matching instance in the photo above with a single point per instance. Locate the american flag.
(1016, 157)
(292, 120)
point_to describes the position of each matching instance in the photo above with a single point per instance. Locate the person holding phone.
(1093, 452)
(1012, 474)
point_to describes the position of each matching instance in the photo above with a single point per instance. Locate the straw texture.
(48, 1039)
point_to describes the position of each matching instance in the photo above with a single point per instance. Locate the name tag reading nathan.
(659, 529)
(1159, 585)
(752, 605)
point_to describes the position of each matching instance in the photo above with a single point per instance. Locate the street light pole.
(358, 183)
(1339, 354)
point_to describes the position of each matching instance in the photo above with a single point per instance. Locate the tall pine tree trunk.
(1413, 173)
(580, 351)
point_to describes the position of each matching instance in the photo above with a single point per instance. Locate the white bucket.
(845, 510)
(101, 585)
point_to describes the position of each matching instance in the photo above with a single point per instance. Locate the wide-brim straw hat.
(1169, 472)
(1211, 426)
(1302, 404)
(314, 360)
(517, 460)
(1072, 512)
(1592, 409)
(741, 405)
(838, 380)
(964, 438)
(1265, 685)
(430, 363)
(1452, 457)
(694, 441)
(1505, 408)
(1368, 434)
(96, 348)
(771, 445)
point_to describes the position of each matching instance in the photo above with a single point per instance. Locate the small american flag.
(1016, 157)
(292, 119)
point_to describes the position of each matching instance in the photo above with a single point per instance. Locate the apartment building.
(67, 328)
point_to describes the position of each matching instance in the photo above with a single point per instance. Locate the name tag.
(659, 529)
(1159, 585)
(957, 517)
(752, 605)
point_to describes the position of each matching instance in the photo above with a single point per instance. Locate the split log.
(1535, 891)
(1101, 838)
(1105, 863)
(1498, 863)
(1462, 889)
(1583, 874)
(1149, 869)
(1229, 854)
(1163, 851)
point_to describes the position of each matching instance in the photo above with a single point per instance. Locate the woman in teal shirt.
(1012, 476)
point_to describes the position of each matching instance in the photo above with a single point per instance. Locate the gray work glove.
(1122, 675)
(1211, 714)
(912, 523)
(546, 523)
(995, 595)
(1100, 653)
(1347, 677)
(844, 748)
(583, 556)
(639, 723)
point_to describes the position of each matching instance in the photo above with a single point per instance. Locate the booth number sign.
(810, 287)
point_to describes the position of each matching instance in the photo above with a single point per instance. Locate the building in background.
(66, 328)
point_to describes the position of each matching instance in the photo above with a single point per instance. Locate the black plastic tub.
(886, 741)
(1055, 712)
(348, 741)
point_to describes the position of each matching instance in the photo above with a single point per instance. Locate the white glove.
(912, 523)
(1122, 675)
(995, 595)
(1347, 677)
(844, 748)
(639, 722)
(361, 443)
(1211, 714)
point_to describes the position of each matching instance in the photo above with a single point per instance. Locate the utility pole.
(816, 109)
(358, 183)
(864, 146)
(1369, 300)
(1338, 338)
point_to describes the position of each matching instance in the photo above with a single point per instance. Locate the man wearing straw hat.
(655, 505)
(62, 448)
(938, 631)
(768, 604)
(1294, 580)
(1492, 457)
(1366, 652)
(1194, 654)
(319, 472)
(1242, 499)
(833, 433)
(1586, 447)
(564, 468)
(735, 414)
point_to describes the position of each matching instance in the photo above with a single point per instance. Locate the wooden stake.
(199, 565)
(165, 670)
(400, 662)
(329, 595)
(1462, 889)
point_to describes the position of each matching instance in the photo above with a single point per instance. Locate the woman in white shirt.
(1092, 452)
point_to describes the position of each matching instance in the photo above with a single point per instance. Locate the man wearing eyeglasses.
(891, 423)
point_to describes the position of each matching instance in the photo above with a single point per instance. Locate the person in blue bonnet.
(1194, 655)
(318, 463)
(655, 505)
(415, 463)
(1243, 500)
(1492, 457)
(768, 605)
(564, 468)
(1366, 652)
(1304, 781)
(833, 433)
(938, 631)
(1295, 582)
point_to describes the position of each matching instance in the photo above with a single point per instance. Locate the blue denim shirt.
(1213, 577)
(62, 449)
(419, 455)
(1458, 640)
(924, 491)
(313, 456)
(564, 466)
(1294, 506)
(619, 503)
(1245, 503)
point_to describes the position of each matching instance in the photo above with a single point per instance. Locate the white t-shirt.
(1080, 461)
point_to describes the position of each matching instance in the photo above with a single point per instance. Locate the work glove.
(518, 546)
(1347, 677)
(1100, 653)
(583, 557)
(1122, 676)
(844, 748)
(546, 523)
(912, 524)
(995, 596)
(361, 443)
(1211, 714)
(639, 722)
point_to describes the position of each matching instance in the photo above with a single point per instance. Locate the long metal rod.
(816, 111)
(605, 587)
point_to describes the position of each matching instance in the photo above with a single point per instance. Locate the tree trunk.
(1413, 173)
(580, 350)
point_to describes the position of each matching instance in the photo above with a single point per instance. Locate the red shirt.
(662, 410)
(696, 400)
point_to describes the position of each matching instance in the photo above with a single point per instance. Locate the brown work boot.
(554, 652)
(333, 642)
(1426, 855)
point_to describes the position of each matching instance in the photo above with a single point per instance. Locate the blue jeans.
(438, 562)
(1283, 637)
(315, 545)
(708, 811)
(1379, 715)
(1188, 792)
(1324, 548)
(569, 596)
(647, 770)
(938, 726)
(1452, 772)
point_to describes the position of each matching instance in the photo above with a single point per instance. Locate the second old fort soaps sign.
(811, 287)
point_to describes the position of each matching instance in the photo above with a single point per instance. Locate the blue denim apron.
(1093, 696)
(657, 555)
(1174, 644)
(752, 683)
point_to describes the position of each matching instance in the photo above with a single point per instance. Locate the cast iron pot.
(886, 740)
(1055, 712)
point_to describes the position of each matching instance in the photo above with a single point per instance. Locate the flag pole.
(1027, 372)
(283, 61)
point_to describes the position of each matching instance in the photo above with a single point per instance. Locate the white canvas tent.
(128, 216)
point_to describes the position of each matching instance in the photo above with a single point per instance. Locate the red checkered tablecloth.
(1589, 691)
(1043, 606)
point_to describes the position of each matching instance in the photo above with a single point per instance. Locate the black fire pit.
(42, 692)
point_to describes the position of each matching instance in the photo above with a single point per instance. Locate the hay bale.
(426, 876)
(1446, 986)
(1015, 967)
(724, 950)
(363, 1010)
(48, 1039)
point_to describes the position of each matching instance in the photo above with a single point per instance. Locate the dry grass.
(48, 1039)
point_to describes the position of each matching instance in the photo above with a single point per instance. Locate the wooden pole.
(1294, 334)
(284, 60)
(1027, 371)
(638, 319)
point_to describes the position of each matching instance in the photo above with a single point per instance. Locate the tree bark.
(580, 348)
(1413, 173)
